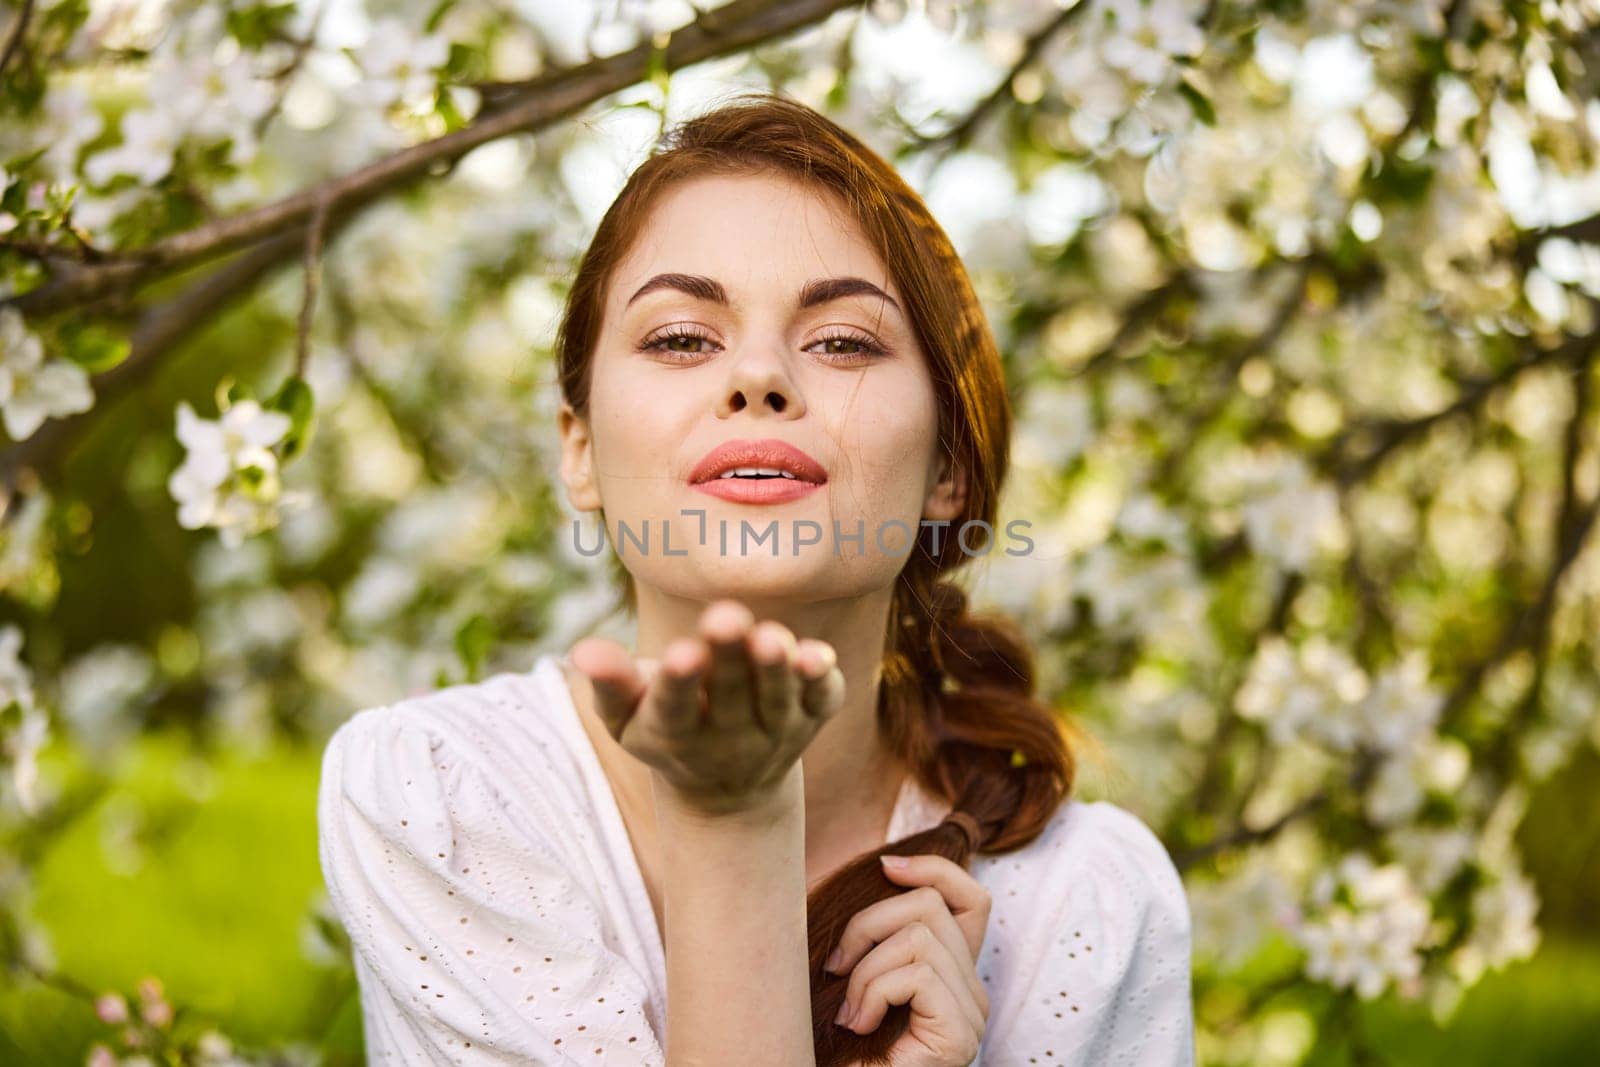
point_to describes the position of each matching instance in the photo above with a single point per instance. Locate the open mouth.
(768, 459)
(752, 472)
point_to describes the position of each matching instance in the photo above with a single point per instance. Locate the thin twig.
(1392, 433)
(312, 270)
(302, 48)
(13, 43)
(1574, 522)
(962, 132)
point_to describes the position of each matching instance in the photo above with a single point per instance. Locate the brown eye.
(678, 343)
(852, 346)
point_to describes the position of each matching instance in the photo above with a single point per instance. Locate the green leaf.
(437, 15)
(294, 399)
(655, 71)
(1197, 101)
(230, 392)
(473, 641)
(444, 104)
(256, 26)
(92, 346)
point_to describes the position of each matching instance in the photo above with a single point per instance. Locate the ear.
(948, 495)
(577, 459)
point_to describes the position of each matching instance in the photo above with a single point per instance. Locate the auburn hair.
(956, 700)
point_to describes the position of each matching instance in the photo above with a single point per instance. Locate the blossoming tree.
(1299, 300)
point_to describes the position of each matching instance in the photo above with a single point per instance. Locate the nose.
(761, 377)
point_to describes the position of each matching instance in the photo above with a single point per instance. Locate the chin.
(755, 577)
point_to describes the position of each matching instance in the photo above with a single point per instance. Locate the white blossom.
(31, 388)
(1310, 691)
(234, 628)
(1403, 781)
(1233, 915)
(190, 97)
(1503, 927)
(1401, 705)
(1147, 34)
(229, 478)
(21, 741)
(1288, 515)
(70, 121)
(150, 139)
(400, 64)
(99, 690)
(1056, 425)
(1433, 854)
(1369, 924)
(1129, 591)
(24, 538)
(1145, 518)
(217, 102)
(384, 586)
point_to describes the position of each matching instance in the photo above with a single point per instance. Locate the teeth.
(751, 472)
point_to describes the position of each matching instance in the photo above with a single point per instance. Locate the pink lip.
(769, 452)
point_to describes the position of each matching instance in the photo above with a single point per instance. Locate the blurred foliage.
(1299, 305)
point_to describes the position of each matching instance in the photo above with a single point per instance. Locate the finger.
(679, 684)
(614, 678)
(772, 649)
(965, 896)
(908, 945)
(730, 688)
(877, 923)
(821, 681)
(935, 1015)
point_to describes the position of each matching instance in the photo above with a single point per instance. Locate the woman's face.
(753, 309)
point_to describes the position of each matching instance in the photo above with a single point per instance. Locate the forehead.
(750, 231)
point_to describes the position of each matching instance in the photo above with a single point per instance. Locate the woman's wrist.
(757, 809)
(735, 903)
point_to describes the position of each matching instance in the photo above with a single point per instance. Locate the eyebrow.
(812, 293)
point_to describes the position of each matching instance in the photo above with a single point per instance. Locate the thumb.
(614, 676)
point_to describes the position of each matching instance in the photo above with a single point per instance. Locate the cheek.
(887, 440)
(630, 419)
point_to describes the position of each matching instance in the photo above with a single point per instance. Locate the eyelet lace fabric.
(474, 852)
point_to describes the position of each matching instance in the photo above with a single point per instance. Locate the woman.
(781, 394)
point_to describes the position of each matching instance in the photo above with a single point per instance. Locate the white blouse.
(474, 851)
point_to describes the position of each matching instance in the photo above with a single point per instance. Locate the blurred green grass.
(1538, 1012)
(210, 874)
(201, 872)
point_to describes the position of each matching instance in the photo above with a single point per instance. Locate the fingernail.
(833, 958)
(894, 862)
(845, 1011)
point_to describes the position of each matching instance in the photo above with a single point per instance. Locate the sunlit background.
(1298, 304)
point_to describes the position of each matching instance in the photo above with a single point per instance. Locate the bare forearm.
(738, 990)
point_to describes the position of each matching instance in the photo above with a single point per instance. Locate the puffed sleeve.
(1109, 972)
(471, 941)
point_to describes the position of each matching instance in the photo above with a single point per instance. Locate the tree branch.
(1573, 524)
(741, 24)
(13, 43)
(1390, 434)
(158, 331)
(1582, 230)
(961, 133)
(275, 232)
(311, 268)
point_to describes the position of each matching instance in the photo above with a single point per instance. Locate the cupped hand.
(723, 715)
(920, 948)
